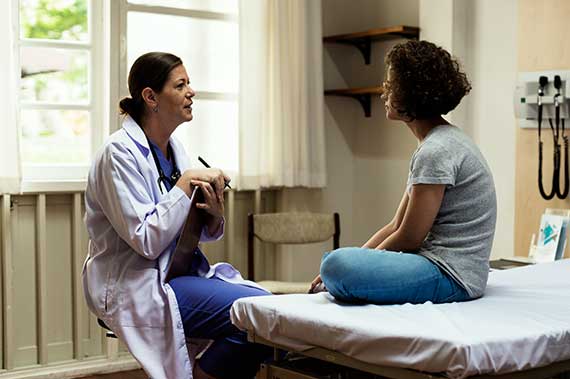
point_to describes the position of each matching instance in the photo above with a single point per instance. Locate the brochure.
(551, 239)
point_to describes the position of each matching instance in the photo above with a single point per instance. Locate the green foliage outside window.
(55, 136)
(54, 19)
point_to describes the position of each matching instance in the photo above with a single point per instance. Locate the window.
(205, 35)
(74, 57)
(59, 109)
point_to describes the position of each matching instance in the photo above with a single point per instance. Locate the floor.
(137, 374)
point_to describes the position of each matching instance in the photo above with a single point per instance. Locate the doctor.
(138, 196)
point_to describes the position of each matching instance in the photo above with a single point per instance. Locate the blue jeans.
(360, 275)
(205, 309)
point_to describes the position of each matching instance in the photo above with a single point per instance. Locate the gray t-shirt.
(461, 237)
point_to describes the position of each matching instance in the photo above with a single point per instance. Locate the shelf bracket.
(365, 101)
(363, 45)
(363, 95)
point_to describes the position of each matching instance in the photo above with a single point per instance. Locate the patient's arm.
(391, 227)
(421, 210)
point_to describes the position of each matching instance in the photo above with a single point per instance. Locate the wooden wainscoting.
(45, 326)
(136, 374)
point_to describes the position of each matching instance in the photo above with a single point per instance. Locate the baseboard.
(73, 369)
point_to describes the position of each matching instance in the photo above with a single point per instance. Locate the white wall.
(482, 34)
(488, 30)
(492, 66)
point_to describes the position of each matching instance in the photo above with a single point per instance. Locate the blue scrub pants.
(359, 275)
(205, 309)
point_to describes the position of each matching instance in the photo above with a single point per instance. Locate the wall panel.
(59, 278)
(25, 281)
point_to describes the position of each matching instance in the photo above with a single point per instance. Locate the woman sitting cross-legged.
(437, 246)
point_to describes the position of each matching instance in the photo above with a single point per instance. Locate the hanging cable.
(542, 82)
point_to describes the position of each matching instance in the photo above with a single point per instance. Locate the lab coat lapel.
(135, 132)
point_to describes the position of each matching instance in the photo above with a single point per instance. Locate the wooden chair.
(289, 228)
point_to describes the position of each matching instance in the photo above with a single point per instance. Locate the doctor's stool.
(289, 228)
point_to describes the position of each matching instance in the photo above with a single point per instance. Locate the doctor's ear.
(149, 97)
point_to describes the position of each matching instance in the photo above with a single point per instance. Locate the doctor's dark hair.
(149, 70)
(425, 80)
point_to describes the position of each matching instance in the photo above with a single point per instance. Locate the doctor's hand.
(212, 203)
(214, 176)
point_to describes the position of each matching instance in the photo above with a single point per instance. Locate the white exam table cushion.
(522, 322)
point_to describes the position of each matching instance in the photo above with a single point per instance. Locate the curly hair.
(425, 80)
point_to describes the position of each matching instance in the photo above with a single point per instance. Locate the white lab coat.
(131, 227)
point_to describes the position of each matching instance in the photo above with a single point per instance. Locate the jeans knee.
(331, 265)
(337, 272)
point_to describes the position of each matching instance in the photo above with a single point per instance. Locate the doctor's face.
(175, 99)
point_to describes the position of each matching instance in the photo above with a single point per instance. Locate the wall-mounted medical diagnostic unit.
(541, 101)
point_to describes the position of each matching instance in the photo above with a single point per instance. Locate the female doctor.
(138, 197)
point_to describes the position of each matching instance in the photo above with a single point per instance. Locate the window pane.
(226, 6)
(212, 134)
(54, 136)
(209, 49)
(54, 75)
(54, 19)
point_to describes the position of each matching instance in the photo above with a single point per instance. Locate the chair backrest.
(290, 228)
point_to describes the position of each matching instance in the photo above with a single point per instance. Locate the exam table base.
(286, 370)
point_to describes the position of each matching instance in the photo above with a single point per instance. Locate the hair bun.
(126, 105)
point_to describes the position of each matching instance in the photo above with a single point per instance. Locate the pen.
(208, 166)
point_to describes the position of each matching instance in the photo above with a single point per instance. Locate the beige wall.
(543, 28)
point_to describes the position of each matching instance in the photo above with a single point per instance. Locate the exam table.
(519, 329)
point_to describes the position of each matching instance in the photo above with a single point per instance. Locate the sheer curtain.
(281, 128)
(10, 168)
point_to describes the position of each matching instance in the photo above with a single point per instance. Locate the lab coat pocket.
(141, 302)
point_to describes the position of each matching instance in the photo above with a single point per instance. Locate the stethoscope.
(162, 178)
(542, 82)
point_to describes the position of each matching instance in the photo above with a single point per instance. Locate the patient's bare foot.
(318, 288)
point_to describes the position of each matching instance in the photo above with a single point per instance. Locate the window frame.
(169, 11)
(57, 177)
(107, 25)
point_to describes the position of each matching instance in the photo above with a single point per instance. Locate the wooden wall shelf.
(363, 40)
(362, 95)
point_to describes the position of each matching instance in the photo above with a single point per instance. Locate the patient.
(437, 246)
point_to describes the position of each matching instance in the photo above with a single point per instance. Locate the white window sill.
(54, 186)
